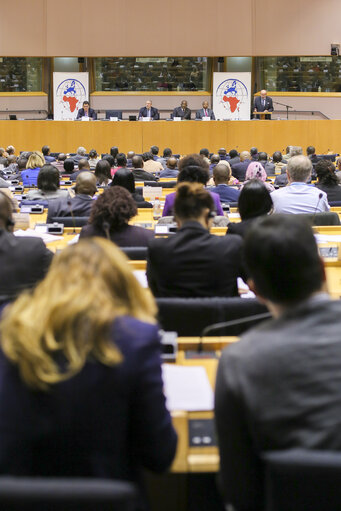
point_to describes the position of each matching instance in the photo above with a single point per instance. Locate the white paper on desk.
(187, 388)
(47, 238)
(141, 276)
(328, 238)
(234, 215)
(75, 239)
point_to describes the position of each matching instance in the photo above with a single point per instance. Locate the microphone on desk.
(69, 203)
(106, 228)
(232, 322)
(317, 205)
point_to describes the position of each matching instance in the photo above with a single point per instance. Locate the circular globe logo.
(70, 95)
(232, 95)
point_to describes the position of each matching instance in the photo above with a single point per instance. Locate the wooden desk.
(183, 137)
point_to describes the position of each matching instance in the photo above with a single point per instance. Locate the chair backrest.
(302, 480)
(113, 113)
(68, 221)
(189, 316)
(135, 253)
(36, 202)
(327, 218)
(334, 203)
(58, 494)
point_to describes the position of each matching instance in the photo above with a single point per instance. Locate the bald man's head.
(244, 155)
(221, 174)
(6, 208)
(172, 163)
(86, 183)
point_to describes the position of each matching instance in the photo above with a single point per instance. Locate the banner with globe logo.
(69, 92)
(232, 96)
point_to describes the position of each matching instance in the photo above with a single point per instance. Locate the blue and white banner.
(232, 96)
(69, 92)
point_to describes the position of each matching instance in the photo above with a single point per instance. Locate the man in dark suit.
(263, 103)
(149, 111)
(194, 262)
(23, 260)
(80, 205)
(86, 111)
(205, 112)
(138, 172)
(279, 386)
(182, 111)
(233, 157)
(239, 169)
(83, 166)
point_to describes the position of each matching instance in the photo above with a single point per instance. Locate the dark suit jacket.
(80, 206)
(268, 104)
(143, 175)
(23, 262)
(105, 422)
(178, 112)
(226, 193)
(201, 113)
(194, 262)
(154, 113)
(278, 388)
(239, 169)
(91, 113)
(128, 236)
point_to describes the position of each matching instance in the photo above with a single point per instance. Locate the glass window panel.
(20, 74)
(299, 74)
(152, 74)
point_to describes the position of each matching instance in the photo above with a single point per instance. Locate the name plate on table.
(177, 118)
(151, 192)
(146, 119)
(330, 250)
(206, 118)
(85, 118)
(114, 119)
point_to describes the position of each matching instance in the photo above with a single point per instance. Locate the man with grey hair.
(81, 154)
(295, 150)
(299, 196)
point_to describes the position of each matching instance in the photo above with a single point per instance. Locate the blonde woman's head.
(70, 312)
(35, 160)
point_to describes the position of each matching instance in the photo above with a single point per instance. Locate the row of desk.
(182, 137)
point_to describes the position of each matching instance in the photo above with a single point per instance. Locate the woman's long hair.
(50, 333)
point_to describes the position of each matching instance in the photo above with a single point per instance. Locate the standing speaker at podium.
(263, 103)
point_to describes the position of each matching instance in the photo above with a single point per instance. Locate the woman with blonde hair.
(81, 374)
(30, 175)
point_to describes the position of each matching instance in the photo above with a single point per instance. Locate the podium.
(262, 115)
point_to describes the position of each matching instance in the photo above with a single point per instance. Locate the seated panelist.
(86, 111)
(182, 111)
(149, 111)
(205, 112)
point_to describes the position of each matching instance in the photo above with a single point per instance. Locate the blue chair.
(113, 113)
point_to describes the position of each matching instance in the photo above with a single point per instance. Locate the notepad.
(187, 388)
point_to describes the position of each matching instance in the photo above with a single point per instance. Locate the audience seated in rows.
(299, 196)
(82, 389)
(80, 204)
(233, 157)
(23, 260)
(327, 180)
(125, 178)
(193, 262)
(59, 163)
(81, 155)
(192, 169)
(83, 166)
(171, 168)
(69, 167)
(30, 175)
(239, 169)
(150, 165)
(221, 178)
(109, 218)
(254, 201)
(279, 164)
(256, 170)
(46, 153)
(121, 163)
(48, 184)
(103, 173)
(138, 170)
(167, 153)
(268, 166)
(279, 387)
